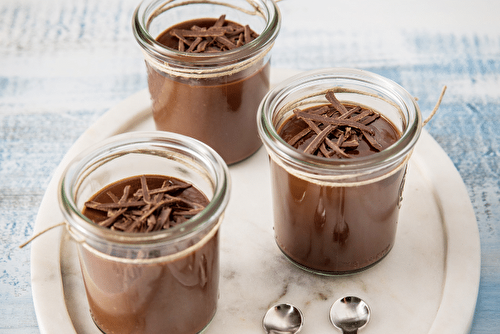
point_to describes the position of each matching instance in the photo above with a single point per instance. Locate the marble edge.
(109, 127)
(45, 254)
(462, 246)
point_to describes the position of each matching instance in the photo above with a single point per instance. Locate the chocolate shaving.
(330, 96)
(334, 121)
(108, 222)
(221, 36)
(220, 21)
(337, 128)
(184, 34)
(319, 139)
(373, 142)
(248, 35)
(147, 210)
(299, 136)
(195, 44)
(226, 42)
(112, 206)
(322, 135)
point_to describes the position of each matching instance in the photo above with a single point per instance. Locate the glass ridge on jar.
(337, 216)
(212, 97)
(155, 282)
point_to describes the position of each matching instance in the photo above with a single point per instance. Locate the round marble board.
(427, 284)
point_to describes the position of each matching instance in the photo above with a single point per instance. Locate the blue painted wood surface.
(63, 63)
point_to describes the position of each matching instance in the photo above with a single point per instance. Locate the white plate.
(427, 284)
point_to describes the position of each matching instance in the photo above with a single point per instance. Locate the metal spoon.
(349, 314)
(283, 319)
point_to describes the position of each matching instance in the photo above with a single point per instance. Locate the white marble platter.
(428, 284)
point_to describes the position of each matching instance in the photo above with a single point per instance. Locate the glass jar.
(337, 216)
(156, 282)
(212, 97)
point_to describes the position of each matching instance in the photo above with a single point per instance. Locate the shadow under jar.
(210, 96)
(166, 281)
(337, 216)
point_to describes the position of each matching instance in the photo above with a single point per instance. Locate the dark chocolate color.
(220, 111)
(175, 297)
(385, 133)
(336, 229)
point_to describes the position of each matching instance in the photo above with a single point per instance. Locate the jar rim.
(311, 163)
(158, 51)
(206, 219)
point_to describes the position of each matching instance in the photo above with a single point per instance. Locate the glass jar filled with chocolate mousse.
(208, 66)
(339, 141)
(145, 210)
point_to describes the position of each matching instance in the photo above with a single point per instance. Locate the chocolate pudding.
(217, 108)
(345, 227)
(145, 293)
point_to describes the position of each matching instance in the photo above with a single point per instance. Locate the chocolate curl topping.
(222, 36)
(220, 21)
(247, 35)
(147, 209)
(330, 96)
(145, 190)
(336, 128)
(334, 121)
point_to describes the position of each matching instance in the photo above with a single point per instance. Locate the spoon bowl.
(349, 314)
(283, 319)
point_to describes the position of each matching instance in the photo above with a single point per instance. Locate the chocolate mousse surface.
(156, 295)
(145, 203)
(339, 131)
(219, 110)
(207, 35)
(336, 228)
